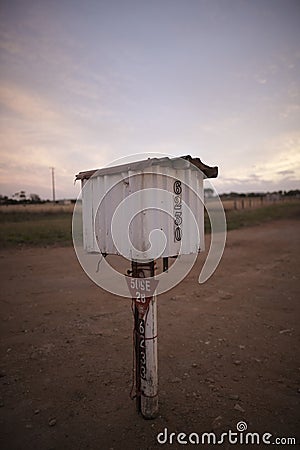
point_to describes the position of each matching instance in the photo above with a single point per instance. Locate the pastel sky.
(86, 82)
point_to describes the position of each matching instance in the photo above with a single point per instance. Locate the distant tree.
(4, 200)
(20, 196)
(292, 193)
(208, 193)
(35, 198)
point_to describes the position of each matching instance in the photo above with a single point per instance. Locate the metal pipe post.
(146, 373)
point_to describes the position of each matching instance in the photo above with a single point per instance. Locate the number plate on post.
(141, 290)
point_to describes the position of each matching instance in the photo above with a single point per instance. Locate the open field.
(228, 349)
(45, 225)
(254, 216)
(36, 208)
(42, 228)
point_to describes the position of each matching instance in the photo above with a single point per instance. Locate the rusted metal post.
(136, 344)
(145, 325)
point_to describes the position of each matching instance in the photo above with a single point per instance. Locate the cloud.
(286, 172)
(79, 89)
(261, 80)
(271, 165)
(36, 134)
(249, 185)
(290, 110)
(33, 129)
(9, 45)
(27, 105)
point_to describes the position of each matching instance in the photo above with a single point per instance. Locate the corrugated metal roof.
(182, 162)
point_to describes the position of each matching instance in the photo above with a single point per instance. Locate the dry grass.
(31, 225)
(38, 208)
(239, 218)
(44, 225)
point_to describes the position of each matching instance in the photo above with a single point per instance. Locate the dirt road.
(228, 350)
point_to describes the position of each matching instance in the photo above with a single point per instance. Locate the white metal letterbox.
(126, 203)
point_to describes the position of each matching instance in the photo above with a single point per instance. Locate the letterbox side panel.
(111, 190)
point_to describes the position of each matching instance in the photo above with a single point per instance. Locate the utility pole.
(53, 184)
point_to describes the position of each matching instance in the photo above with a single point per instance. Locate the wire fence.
(239, 203)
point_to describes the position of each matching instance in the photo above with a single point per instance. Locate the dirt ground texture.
(228, 349)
